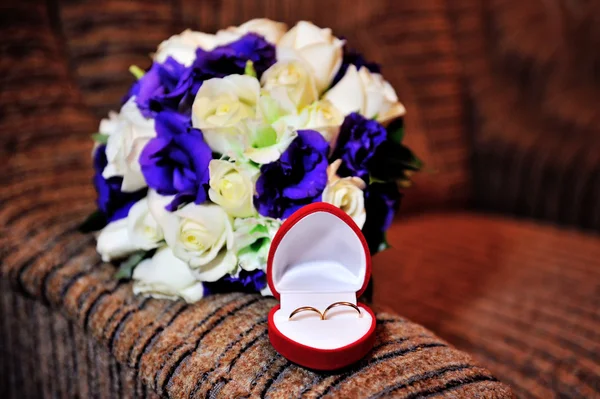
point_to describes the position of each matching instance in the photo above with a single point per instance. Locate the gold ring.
(335, 304)
(305, 308)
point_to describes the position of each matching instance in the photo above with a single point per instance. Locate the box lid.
(319, 248)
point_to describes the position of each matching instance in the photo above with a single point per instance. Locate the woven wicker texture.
(46, 355)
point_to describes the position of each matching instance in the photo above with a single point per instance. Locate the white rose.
(130, 132)
(321, 116)
(272, 31)
(253, 238)
(204, 239)
(113, 241)
(183, 47)
(346, 193)
(139, 230)
(143, 230)
(110, 125)
(265, 143)
(166, 276)
(201, 235)
(275, 104)
(232, 187)
(316, 47)
(367, 93)
(295, 78)
(220, 105)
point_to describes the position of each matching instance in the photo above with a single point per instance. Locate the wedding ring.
(336, 304)
(304, 309)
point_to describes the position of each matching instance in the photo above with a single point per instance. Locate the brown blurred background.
(496, 248)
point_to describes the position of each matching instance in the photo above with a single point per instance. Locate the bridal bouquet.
(228, 134)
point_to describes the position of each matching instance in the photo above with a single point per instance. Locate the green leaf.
(245, 251)
(374, 180)
(258, 244)
(391, 160)
(259, 228)
(249, 70)
(126, 267)
(254, 164)
(417, 161)
(253, 248)
(137, 71)
(96, 221)
(384, 244)
(100, 138)
(396, 130)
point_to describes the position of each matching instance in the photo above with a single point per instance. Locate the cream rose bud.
(130, 134)
(232, 186)
(166, 276)
(200, 235)
(183, 47)
(367, 93)
(321, 116)
(219, 107)
(113, 241)
(143, 230)
(295, 78)
(272, 31)
(346, 193)
(316, 47)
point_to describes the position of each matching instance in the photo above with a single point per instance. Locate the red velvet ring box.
(319, 256)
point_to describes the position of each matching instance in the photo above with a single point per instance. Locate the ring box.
(319, 256)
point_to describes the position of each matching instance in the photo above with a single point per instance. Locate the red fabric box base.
(319, 256)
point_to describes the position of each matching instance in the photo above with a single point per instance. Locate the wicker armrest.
(217, 348)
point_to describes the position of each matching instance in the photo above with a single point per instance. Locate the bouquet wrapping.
(228, 134)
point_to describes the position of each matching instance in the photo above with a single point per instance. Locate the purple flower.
(175, 162)
(382, 201)
(223, 61)
(296, 179)
(154, 90)
(358, 139)
(232, 58)
(245, 281)
(352, 57)
(111, 201)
